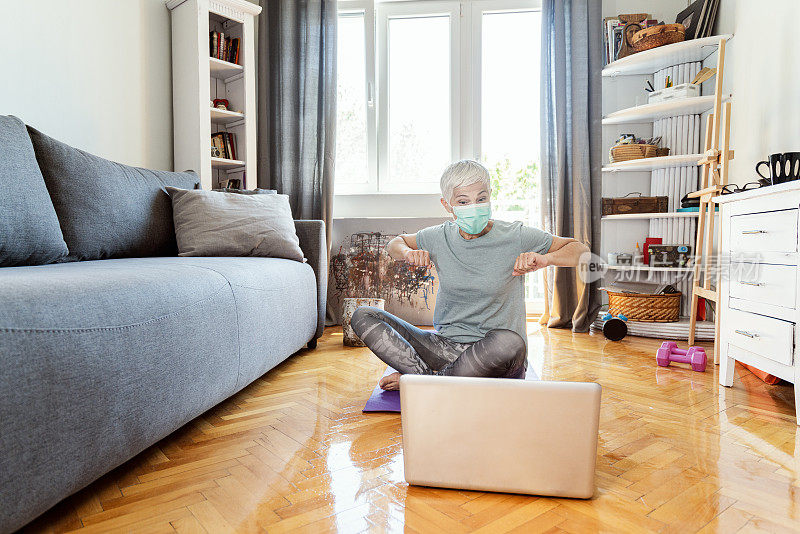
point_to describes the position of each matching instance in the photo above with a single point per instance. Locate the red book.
(647, 242)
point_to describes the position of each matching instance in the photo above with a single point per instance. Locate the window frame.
(465, 80)
(477, 9)
(414, 9)
(367, 8)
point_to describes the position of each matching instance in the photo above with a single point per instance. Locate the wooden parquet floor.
(294, 453)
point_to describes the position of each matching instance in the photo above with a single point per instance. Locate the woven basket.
(662, 152)
(631, 151)
(646, 308)
(656, 36)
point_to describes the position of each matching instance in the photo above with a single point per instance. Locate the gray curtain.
(297, 104)
(570, 152)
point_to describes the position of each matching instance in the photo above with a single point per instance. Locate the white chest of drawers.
(760, 277)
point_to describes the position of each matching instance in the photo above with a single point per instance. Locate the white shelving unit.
(198, 79)
(679, 122)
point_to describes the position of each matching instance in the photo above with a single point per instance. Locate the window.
(351, 93)
(423, 83)
(417, 98)
(410, 79)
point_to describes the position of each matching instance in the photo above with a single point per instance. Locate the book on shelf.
(225, 142)
(224, 48)
(613, 34)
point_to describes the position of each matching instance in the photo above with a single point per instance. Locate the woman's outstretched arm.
(564, 252)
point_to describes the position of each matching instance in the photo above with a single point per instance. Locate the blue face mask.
(473, 218)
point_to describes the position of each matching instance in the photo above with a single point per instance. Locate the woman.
(479, 317)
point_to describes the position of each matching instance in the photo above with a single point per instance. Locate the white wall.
(386, 205)
(95, 74)
(661, 10)
(762, 70)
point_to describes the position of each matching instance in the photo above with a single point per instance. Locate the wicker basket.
(656, 36)
(631, 151)
(646, 308)
(661, 152)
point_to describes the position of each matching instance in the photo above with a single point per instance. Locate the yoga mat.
(389, 401)
(383, 401)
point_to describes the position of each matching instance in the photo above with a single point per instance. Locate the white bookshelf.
(679, 122)
(198, 79)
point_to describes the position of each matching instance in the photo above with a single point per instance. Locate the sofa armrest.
(312, 241)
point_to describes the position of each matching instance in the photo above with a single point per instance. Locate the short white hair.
(461, 174)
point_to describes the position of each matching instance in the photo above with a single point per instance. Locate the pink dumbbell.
(669, 352)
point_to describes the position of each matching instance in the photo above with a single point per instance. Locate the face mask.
(473, 218)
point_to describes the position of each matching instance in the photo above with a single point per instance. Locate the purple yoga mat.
(383, 401)
(389, 401)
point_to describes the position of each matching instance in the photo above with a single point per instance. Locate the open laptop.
(500, 434)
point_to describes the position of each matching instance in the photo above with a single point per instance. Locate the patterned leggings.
(411, 350)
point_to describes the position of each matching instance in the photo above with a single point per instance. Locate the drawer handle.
(746, 333)
(748, 232)
(751, 283)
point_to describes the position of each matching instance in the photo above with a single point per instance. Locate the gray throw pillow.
(107, 209)
(29, 230)
(214, 223)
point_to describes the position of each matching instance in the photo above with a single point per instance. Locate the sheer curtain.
(297, 104)
(571, 158)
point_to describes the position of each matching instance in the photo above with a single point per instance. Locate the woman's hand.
(528, 262)
(418, 257)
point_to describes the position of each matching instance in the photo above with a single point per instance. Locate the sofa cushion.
(106, 209)
(29, 230)
(272, 294)
(214, 223)
(101, 359)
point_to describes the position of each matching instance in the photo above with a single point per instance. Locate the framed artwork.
(690, 18)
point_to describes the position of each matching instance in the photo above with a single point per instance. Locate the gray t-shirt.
(477, 291)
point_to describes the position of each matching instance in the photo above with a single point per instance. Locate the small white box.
(684, 90)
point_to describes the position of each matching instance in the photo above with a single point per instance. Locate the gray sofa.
(105, 352)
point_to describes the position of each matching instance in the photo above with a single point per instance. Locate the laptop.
(500, 434)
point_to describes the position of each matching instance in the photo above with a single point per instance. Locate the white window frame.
(367, 8)
(465, 80)
(413, 9)
(477, 9)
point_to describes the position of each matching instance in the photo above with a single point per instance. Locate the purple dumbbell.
(669, 352)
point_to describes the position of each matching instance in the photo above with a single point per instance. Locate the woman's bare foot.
(390, 382)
